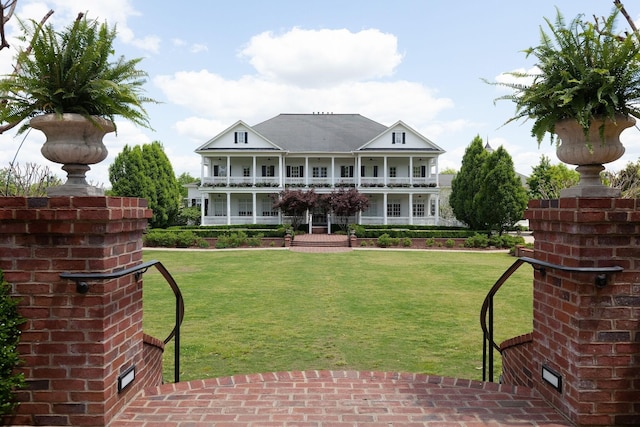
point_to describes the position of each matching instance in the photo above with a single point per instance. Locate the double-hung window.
(346, 171)
(418, 209)
(393, 172)
(393, 208)
(245, 207)
(241, 138)
(295, 171)
(398, 137)
(319, 172)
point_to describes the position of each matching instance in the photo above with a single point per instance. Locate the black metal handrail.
(83, 287)
(488, 343)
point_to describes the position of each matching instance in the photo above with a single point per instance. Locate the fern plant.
(586, 70)
(71, 71)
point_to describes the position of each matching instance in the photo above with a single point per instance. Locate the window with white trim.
(393, 172)
(268, 170)
(267, 208)
(220, 207)
(372, 210)
(346, 171)
(393, 208)
(245, 207)
(240, 138)
(418, 209)
(319, 172)
(246, 172)
(398, 137)
(295, 172)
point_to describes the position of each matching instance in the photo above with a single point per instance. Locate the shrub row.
(413, 232)
(505, 241)
(173, 239)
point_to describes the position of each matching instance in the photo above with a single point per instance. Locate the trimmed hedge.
(412, 231)
(10, 320)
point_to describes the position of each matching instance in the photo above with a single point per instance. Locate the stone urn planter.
(75, 142)
(590, 152)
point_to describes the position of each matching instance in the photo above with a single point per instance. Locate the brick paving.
(338, 399)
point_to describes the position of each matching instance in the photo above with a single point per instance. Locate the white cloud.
(315, 58)
(198, 47)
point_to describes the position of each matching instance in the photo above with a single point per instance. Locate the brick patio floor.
(338, 399)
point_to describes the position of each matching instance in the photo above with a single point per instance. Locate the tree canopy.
(147, 173)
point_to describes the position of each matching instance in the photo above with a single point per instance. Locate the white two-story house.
(244, 166)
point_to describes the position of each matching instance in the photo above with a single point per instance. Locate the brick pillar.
(588, 335)
(74, 345)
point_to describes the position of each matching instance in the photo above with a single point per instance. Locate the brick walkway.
(338, 399)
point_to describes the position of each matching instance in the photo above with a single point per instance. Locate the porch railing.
(82, 286)
(487, 313)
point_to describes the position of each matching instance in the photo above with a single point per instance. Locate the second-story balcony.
(234, 181)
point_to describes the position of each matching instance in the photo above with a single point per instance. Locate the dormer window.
(241, 138)
(398, 137)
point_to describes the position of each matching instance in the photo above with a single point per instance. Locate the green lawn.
(263, 311)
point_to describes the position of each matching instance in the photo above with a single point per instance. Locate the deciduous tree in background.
(147, 173)
(547, 180)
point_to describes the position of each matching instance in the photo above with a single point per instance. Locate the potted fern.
(586, 91)
(66, 85)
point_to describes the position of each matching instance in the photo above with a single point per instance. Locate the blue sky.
(212, 63)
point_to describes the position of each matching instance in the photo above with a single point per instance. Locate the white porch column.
(306, 171)
(410, 171)
(410, 208)
(333, 171)
(253, 168)
(255, 207)
(328, 222)
(386, 174)
(437, 202)
(228, 207)
(358, 170)
(202, 199)
(228, 170)
(281, 173)
(384, 202)
(310, 221)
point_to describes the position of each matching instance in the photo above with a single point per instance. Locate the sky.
(211, 63)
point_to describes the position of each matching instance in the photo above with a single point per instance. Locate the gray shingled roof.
(320, 132)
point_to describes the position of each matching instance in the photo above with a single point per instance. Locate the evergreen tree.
(502, 199)
(466, 184)
(147, 173)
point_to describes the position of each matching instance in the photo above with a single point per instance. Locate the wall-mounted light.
(552, 378)
(126, 378)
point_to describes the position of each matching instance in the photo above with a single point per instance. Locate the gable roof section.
(416, 141)
(320, 132)
(222, 141)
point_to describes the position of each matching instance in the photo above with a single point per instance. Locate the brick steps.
(320, 241)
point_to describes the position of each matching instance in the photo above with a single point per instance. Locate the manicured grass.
(264, 311)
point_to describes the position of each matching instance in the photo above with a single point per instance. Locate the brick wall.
(517, 361)
(590, 335)
(74, 345)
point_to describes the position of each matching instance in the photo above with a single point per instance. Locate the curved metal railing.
(486, 312)
(83, 287)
